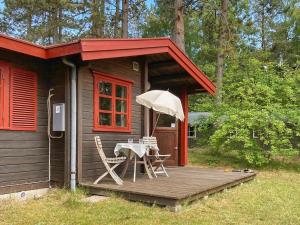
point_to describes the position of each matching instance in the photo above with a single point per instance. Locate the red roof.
(92, 49)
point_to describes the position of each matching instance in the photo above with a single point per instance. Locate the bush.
(259, 117)
(255, 134)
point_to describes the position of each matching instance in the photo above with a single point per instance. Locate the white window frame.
(194, 130)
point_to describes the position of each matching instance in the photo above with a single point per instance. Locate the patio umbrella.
(162, 102)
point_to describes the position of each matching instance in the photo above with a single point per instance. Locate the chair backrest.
(151, 141)
(99, 148)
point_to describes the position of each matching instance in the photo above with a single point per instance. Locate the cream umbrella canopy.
(162, 102)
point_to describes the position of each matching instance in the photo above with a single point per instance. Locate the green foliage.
(57, 21)
(260, 116)
(159, 20)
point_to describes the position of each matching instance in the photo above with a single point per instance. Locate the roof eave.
(21, 46)
(104, 49)
(92, 49)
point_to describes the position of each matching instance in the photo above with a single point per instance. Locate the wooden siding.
(89, 164)
(57, 76)
(24, 154)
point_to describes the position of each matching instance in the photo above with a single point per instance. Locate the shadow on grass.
(206, 157)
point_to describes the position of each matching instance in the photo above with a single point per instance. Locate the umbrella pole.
(155, 124)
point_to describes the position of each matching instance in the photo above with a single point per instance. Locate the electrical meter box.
(58, 117)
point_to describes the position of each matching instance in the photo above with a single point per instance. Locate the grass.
(207, 158)
(272, 198)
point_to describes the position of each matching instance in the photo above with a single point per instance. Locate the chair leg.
(161, 165)
(101, 177)
(126, 165)
(134, 170)
(115, 176)
(146, 167)
(112, 173)
(164, 169)
(152, 169)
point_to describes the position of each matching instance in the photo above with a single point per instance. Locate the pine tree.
(97, 18)
(124, 18)
(44, 22)
(117, 19)
(179, 24)
(223, 18)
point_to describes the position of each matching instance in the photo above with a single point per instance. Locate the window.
(112, 103)
(192, 132)
(18, 98)
(166, 121)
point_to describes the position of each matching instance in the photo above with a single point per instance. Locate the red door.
(166, 133)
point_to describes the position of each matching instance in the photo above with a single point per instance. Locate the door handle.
(175, 148)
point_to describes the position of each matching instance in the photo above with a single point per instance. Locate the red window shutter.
(23, 100)
(4, 95)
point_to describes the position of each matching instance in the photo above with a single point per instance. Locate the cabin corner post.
(183, 159)
(146, 110)
(67, 163)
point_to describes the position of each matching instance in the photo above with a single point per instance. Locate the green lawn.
(272, 198)
(207, 158)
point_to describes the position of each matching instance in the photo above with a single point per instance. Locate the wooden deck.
(184, 184)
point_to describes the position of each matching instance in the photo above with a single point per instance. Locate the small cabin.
(92, 84)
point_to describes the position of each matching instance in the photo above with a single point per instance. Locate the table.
(126, 148)
(133, 150)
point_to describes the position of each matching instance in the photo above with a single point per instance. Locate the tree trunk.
(29, 32)
(53, 32)
(102, 18)
(60, 29)
(96, 18)
(263, 38)
(221, 49)
(117, 19)
(55, 23)
(179, 24)
(125, 18)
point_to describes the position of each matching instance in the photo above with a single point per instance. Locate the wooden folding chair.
(142, 161)
(155, 160)
(116, 161)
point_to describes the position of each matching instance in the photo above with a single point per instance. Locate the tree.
(97, 18)
(54, 22)
(179, 24)
(21, 13)
(259, 117)
(159, 21)
(285, 45)
(124, 18)
(223, 21)
(117, 19)
(44, 22)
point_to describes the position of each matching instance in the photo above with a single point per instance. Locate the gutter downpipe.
(73, 121)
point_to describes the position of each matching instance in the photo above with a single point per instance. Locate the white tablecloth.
(139, 149)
